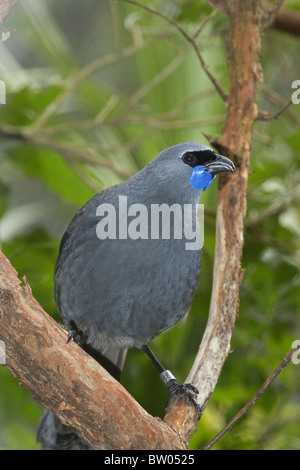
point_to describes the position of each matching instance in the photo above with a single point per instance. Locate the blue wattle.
(201, 178)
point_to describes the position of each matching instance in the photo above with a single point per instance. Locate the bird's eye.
(189, 158)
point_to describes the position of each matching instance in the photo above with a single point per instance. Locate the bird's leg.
(174, 388)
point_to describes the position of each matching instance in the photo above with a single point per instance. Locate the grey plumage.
(129, 290)
(121, 293)
(56, 436)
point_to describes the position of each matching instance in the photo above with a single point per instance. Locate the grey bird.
(125, 270)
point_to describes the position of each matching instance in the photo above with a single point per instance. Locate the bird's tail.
(112, 360)
(51, 433)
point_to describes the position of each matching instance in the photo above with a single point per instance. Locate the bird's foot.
(74, 333)
(176, 390)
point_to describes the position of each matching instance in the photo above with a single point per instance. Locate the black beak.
(219, 164)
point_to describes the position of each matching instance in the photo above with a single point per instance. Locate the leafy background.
(98, 89)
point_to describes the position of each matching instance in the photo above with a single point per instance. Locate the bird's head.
(194, 162)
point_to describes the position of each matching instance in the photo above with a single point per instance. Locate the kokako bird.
(118, 286)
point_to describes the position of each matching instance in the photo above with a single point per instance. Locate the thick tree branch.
(287, 22)
(245, 43)
(68, 381)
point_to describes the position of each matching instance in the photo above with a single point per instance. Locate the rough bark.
(235, 142)
(66, 380)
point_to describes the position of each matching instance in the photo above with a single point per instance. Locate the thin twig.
(157, 79)
(253, 400)
(190, 39)
(264, 116)
(281, 203)
(270, 14)
(163, 124)
(91, 123)
(285, 248)
(278, 100)
(204, 23)
(105, 111)
(84, 154)
(78, 78)
(115, 25)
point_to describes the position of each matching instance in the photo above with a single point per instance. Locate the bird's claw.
(74, 334)
(175, 390)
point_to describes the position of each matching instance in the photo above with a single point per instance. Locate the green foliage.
(79, 128)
